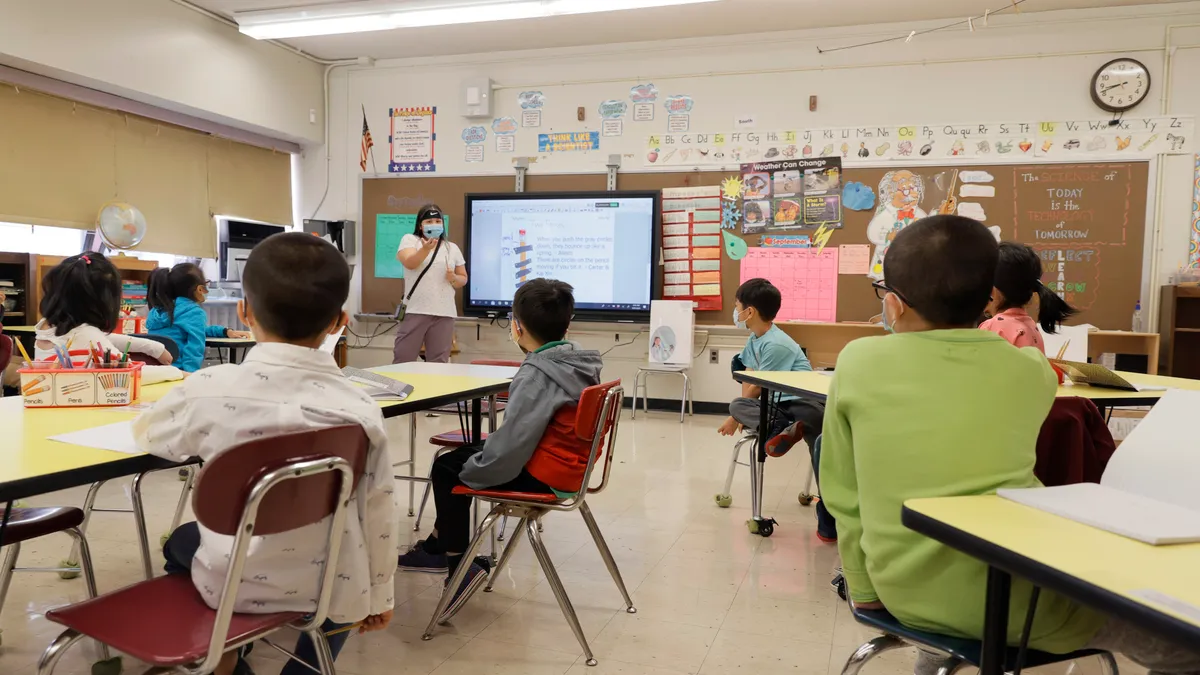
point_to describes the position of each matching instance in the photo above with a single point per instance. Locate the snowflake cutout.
(731, 215)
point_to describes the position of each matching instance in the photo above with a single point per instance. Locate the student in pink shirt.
(1018, 278)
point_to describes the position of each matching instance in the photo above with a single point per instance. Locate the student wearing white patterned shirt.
(295, 286)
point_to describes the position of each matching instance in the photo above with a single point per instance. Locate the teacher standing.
(433, 269)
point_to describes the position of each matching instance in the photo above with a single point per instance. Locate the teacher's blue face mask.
(433, 228)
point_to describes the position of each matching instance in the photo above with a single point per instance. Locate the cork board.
(1087, 219)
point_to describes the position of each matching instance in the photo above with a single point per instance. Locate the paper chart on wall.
(792, 194)
(692, 245)
(412, 139)
(806, 279)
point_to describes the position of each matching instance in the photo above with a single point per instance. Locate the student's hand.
(375, 622)
(729, 428)
(240, 334)
(877, 605)
(429, 244)
(166, 358)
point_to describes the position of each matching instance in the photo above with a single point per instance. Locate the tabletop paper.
(807, 280)
(116, 437)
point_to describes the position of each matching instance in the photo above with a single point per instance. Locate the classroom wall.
(161, 53)
(1036, 66)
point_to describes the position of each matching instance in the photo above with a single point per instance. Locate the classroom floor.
(711, 598)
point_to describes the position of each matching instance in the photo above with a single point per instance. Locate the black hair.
(428, 211)
(753, 207)
(762, 296)
(84, 288)
(296, 284)
(166, 285)
(1019, 276)
(943, 268)
(543, 308)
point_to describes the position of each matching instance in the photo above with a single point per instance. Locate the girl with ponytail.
(174, 296)
(1018, 279)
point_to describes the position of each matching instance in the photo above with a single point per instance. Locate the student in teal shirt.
(942, 409)
(755, 307)
(174, 296)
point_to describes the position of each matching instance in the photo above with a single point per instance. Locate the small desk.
(815, 385)
(1093, 567)
(20, 330)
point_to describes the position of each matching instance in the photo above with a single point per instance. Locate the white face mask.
(736, 321)
(886, 325)
(512, 336)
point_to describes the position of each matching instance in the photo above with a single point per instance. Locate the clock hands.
(1105, 90)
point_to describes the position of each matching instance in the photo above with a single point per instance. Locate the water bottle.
(1137, 318)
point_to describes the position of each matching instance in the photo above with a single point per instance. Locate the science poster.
(792, 195)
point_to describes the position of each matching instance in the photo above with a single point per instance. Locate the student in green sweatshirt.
(940, 408)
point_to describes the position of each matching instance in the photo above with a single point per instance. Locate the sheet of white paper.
(331, 341)
(1158, 459)
(116, 437)
(1077, 350)
(1113, 510)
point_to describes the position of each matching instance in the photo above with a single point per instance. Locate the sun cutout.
(731, 188)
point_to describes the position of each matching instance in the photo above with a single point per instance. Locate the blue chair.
(959, 652)
(169, 343)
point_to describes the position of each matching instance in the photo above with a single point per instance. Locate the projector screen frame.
(589, 315)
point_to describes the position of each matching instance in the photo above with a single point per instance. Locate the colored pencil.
(1062, 350)
(125, 354)
(24, 354)
(343, 629)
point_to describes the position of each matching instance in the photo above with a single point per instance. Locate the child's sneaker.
(476, 576)
(420, 559)
(779, 445)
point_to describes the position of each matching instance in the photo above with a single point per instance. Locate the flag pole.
(372, 150)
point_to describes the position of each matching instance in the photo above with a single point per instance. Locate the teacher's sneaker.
(779, 444)
(420, 559)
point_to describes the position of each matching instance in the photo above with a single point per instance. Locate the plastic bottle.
(1137, 318)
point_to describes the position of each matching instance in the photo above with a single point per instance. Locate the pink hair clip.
(86, 259)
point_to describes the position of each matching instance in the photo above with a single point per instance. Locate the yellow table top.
(26, 450)
(20, 330)
(1112, 569)
(817, 384)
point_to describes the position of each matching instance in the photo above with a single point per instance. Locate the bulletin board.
(1086, 220)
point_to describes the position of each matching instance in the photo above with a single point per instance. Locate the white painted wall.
(161, 53)
(1028, 67)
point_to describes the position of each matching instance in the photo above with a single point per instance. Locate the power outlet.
(714, 356)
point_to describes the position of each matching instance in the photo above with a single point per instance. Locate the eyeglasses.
(882, 289)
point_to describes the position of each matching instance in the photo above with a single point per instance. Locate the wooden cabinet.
(1179, 326)
(18, 269)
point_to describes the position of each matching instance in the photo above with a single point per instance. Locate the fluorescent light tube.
(312, 21)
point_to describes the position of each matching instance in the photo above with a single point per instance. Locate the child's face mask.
(889, 325)
(737, 320)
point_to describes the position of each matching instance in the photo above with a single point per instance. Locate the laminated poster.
(792, 195)
(691, 222)
(412, 137)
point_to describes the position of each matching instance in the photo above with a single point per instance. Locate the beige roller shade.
(249, 182)
(61, 161)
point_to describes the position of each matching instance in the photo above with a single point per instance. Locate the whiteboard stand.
(672, 332)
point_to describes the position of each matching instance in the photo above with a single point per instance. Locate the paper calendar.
(807, 280)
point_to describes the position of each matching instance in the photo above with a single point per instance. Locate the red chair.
(1074, 444)
(596, 420)
(31, 523)
(264, 487)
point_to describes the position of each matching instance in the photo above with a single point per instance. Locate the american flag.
(367, 143)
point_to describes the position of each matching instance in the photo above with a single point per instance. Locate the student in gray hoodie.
(535, 450)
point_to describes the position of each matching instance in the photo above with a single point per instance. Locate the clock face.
(1120, 85)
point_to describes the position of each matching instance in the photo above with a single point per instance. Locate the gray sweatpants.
(435, 332)
(746, 412)
(1119, 637)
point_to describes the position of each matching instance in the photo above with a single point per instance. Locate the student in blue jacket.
(174, 296)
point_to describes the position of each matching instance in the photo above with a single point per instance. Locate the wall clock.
(1120, 85)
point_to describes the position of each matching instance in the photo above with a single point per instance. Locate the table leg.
(995, 622)
(412, 460)
(476, 420)
(139, 518)
(4, 521)
(758, 462)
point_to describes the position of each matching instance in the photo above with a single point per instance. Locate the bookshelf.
(16, 269)
(1179, 325)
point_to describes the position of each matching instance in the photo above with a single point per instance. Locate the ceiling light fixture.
(337, 19)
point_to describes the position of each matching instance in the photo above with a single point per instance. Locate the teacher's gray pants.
(435, 332)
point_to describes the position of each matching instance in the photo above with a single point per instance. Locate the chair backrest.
(226, 482)
(169, 343)
(596, 420)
